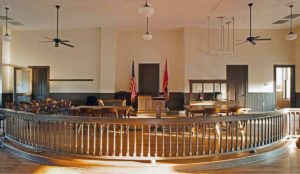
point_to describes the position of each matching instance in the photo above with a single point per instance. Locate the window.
(283, 82)
(208, 89)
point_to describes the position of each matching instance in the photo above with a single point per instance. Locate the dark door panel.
(149, 79)
(237, 77)
(40, 83)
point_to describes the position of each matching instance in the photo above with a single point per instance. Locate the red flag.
(165, 82)
(133, 84)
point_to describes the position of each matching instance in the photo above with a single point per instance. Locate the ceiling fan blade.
(263, 39)
(241, 43)
(256, 37)
(64, 41)
(252, 42)
(45, 41)
(48, 38)
(67, 44)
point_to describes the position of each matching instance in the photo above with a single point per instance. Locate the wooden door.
(149, 79)
(40, 82)
(237, 78)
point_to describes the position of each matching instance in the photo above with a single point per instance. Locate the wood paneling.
(72, 80)
(261, 101)
(297, 100)
(6, 97)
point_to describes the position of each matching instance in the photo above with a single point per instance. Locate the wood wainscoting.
(261, 102)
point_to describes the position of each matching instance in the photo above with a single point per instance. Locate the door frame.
(15, 94)
(247, 80)
(293, 83)
(158, 74)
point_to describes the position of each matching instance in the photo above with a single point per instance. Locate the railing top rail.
(144, 121)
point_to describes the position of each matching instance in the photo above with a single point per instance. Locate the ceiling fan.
(253, 39)
(57, 40)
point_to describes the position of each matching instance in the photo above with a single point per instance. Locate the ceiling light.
(291, 35)
(146, 10)
(147, 35)
(6, 36)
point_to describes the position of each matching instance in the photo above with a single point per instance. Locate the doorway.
(40, 82)
(284, 86)
(149, 79)
(237, 81)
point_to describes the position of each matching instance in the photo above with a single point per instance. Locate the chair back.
(87, 112)
(109, 112)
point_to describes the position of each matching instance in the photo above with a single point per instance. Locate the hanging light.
(146, 10)
(291, 35)
(6, 36)
(147, 35)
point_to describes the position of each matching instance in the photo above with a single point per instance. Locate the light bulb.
(147, 36)
(146, 10)
(291, 36)
(6, 37)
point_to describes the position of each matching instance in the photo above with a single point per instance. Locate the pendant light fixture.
(291, 36)
(147, 35)
(146, 10)
(6, 36)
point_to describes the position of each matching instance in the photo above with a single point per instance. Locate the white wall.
(105, 55)
(7, 70)
(80, 62)
(108, 61)
(199, 64)
(166, 44)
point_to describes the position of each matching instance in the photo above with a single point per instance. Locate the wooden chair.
(36, 108)
(100, 102)
(24, 106)
(10, 105)
(211, 111)
(109, 112)
(87, 112)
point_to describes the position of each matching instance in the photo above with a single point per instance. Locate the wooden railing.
(148, 139)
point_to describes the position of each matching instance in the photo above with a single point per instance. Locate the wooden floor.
(289, 162)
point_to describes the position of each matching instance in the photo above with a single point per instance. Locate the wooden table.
(191, 110)
(123, 111)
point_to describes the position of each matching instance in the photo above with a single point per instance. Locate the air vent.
(293, 16)
(280, 22)
(4, 17)
(16, 23)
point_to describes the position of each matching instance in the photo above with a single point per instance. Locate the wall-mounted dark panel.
(297, 100)
(261, 102)
(6, 97)
(176, 101)
(76, 98)
(71, 80)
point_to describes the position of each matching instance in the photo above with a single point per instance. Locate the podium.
(147, 105)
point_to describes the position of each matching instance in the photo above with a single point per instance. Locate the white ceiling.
(40, 14)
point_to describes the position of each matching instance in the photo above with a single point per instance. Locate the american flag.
(133, 84)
